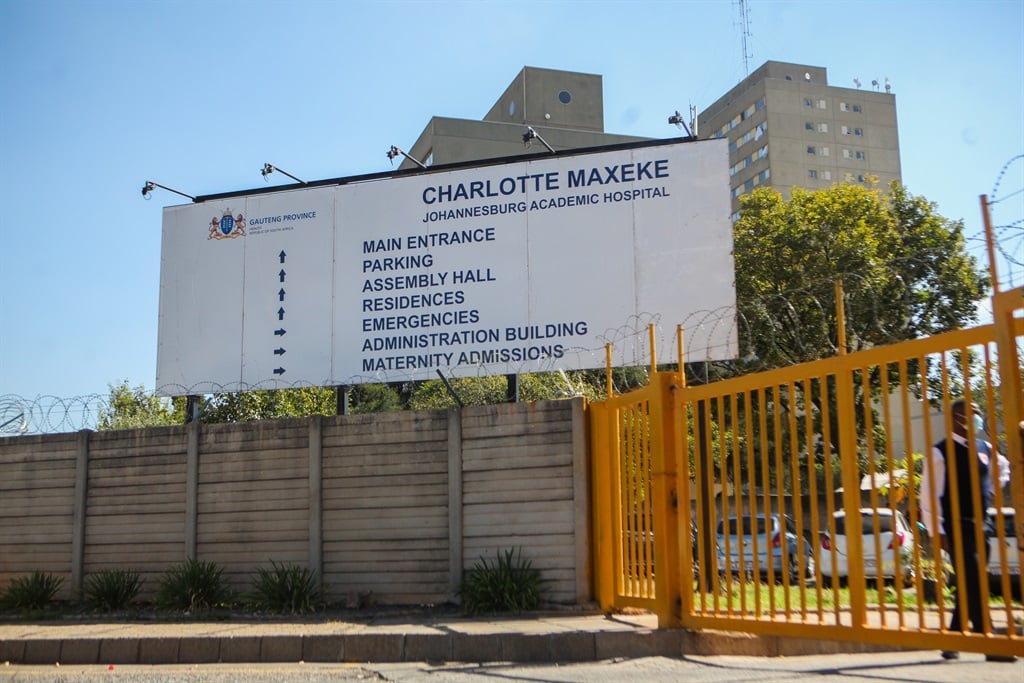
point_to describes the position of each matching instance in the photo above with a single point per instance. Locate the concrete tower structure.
(788, 127)
(565, 108)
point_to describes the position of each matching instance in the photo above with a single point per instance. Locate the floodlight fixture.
(679, 122)
(395, 151)
(530, 135)
(148, 188)
(270, 168)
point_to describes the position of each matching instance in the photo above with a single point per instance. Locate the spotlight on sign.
(395, 151)
(530, 135)
(270, 168)
(679, 122)
(147, 190)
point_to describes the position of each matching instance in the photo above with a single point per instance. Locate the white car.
(1008, 540)
(779, 546)
(894, 539)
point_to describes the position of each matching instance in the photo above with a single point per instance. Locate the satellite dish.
(856, 82)
(807, 76)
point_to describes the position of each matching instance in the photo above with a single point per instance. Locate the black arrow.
(280, 314)
(279, 352)
(281, 275)
(280, 333)
(280, 294)
(278, 371)
(282, 255)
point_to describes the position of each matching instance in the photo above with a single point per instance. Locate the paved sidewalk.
(426, 637)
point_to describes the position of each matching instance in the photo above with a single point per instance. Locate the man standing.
(948, 507)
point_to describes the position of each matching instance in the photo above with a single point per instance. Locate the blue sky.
(96, 97)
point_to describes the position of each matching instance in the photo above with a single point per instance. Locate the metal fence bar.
(776, 444)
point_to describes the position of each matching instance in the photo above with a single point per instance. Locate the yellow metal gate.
(715, 505)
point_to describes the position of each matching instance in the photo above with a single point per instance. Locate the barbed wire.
(1007, 219)
(49, 414)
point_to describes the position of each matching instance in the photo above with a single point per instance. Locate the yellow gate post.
(667, 589)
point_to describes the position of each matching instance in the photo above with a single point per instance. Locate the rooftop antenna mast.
(741, 5)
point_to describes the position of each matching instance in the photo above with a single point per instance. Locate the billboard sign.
(527, 266)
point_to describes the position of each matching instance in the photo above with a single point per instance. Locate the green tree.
(375, 398)
(537, 386)
(131, 408)
(268, 405)
(905, 273)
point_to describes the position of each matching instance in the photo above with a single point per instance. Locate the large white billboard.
(529, 266)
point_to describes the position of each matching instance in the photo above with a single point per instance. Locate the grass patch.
(509, 584)
(111, 589)
(192, 585)
(31, 593)
(284, 589)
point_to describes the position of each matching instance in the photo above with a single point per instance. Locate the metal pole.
(654, 359)
(840, 319)
(608, 367)
(990, 243)
(512, 390)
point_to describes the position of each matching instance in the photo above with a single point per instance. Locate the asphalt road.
(901, 667)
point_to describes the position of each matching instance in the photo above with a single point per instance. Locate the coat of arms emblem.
(226, 226)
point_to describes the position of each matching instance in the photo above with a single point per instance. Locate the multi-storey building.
(788, 127)
(565, 108)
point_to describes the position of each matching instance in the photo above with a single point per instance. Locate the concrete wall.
(391, 507)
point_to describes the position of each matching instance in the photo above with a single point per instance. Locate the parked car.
(894, 538)
(1008, 541)
(779, 547)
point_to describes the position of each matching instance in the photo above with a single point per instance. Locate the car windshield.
(747, 525)
(866, 520)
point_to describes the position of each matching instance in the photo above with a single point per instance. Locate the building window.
(845, 130)
(843, 106)
(858, 131)
(812, 174)
(860, 179)
(824, 151)
(826, 175)
(810, 149)
(808, 103)
(847, 154)
(808, 126)
(749, 185)
(821, 104)
(860, 155)
(856, 108)
(759, 105)
(822, 127)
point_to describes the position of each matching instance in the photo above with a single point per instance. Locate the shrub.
(192, 585)
(111, 589)
(285, 589)
(510, 584)
(33, 592)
